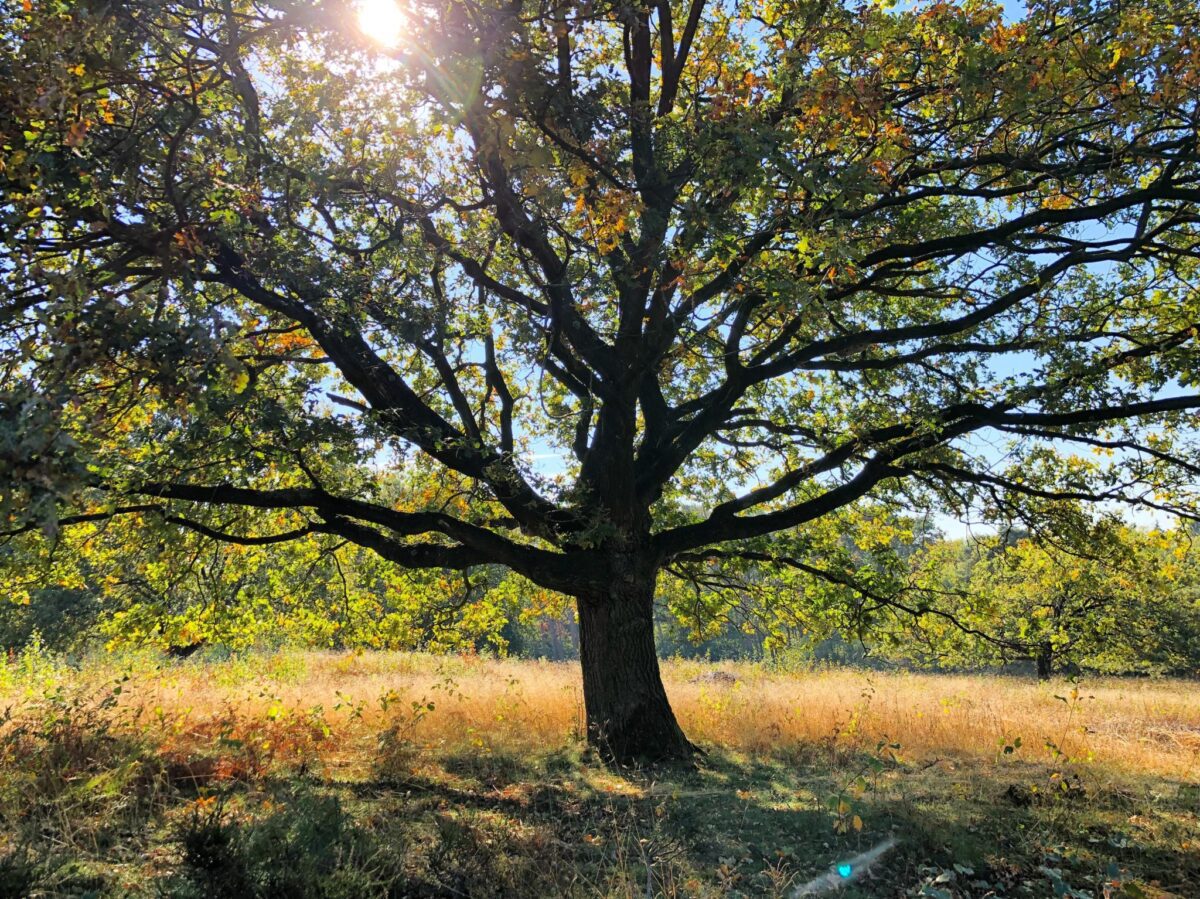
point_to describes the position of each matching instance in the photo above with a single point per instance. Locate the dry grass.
(1137, 725)
(1143, 726)
(403, 774)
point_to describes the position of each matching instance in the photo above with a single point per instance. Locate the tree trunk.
(1045, 661)
(629, 719)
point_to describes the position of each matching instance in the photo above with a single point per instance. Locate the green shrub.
(308, 849)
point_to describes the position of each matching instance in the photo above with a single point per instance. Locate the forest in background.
(1089, 593)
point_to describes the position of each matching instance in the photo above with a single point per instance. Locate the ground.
(387, 774)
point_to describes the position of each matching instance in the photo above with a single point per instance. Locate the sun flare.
(381, 20)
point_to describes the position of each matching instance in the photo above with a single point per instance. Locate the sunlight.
(381, 20)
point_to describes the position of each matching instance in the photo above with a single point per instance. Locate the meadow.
(391, 774)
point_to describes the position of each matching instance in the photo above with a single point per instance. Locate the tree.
(1080, 592)
(1055, 602)
(741, 266)
(1058, 597)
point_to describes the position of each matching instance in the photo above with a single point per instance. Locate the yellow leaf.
(856, 823)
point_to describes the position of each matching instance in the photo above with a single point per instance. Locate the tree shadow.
(482, 823)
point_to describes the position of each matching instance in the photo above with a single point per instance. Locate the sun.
(381, 20)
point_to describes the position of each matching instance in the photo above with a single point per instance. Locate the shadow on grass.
(501, 824)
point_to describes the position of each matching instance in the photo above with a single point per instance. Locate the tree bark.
(629, 719)
(1045, 661)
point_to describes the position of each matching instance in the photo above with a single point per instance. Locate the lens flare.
(844, 872)
(381, 20)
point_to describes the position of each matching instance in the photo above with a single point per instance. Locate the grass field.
(387, 774)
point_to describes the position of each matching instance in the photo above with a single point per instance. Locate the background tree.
(1057, 603)
(1075, 592)
(738, 266)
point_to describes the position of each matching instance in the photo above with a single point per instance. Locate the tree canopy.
(737, 269)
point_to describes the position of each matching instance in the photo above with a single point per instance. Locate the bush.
(61, 618)
(309, 849)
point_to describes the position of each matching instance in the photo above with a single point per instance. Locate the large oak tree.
(736, 266)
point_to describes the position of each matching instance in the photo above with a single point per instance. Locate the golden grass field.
(1098, 778)
(1137, 725)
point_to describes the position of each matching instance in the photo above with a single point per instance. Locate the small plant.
(21, 870)
(397, 742)
(1007, 746)
(863, 780)
(306, 847)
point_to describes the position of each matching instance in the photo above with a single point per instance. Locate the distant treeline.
(1086, 594)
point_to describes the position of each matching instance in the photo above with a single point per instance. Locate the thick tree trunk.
(629, 719)
(1045, 661)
